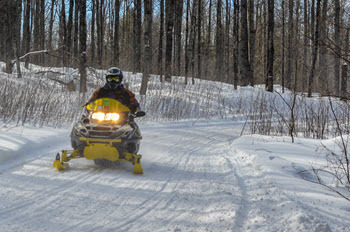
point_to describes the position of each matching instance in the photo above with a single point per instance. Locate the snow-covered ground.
(199, 176)
(200, 173)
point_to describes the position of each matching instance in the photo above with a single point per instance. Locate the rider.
(115, 89)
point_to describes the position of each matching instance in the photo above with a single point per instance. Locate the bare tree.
(92, 32)
(76, 29)
(306, 45)
(148, 6)
(219, 43)
(199, 53)
(169, 21)
(116, 33)
(315, 49)
(138, 36)
(177, 35)
(193, 36)
(290, 44)
(337, 47)
(344, 76)
(207, 50)
(235, 43)
(283, 46)
(82, 38)
(70, 27)
(27, 32)
(161, 35)
(244, 66)
(186, 41)
(271, 49)
(252, 41)
(323, 69)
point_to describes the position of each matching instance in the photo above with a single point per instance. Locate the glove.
(133, 108)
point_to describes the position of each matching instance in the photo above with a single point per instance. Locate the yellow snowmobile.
(106, 134)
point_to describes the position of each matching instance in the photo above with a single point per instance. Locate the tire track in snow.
(144, 208)
(188, 166)
(37, 199)
(193, 149)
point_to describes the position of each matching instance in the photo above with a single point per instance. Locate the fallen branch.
(49, 71)
(36, 53)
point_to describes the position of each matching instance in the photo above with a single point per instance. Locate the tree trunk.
(9, 43)
(344, 77)
(63, 34)
(148, 9)
(186, 41)
(41, 29)
(199, 28)
(323, 69)
(116, 33)
(337, 48)
(82, 38)
(76, 31)
(219, 43)
(160, 44)
(227, 42)
(291, 38)
(169, 18)
(244, 65)
(270, 51)
(98, 31)
(92, 33)
(207, 51)
(193, 36)
(27, 32)
(138, 36)
(70, 28)
(296, 47)
(235, 43)
(306, 45)
(36, 31)
(177, 35)
(252, 41)
(315, 49)
(283, 46)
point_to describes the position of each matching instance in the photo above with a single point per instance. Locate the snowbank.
(20, 143)
(282, 193)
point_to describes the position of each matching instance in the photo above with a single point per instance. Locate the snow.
(200, 175)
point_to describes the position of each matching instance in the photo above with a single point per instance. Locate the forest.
(301, 45)
(242, 108)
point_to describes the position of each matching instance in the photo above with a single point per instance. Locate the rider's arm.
(134, 104)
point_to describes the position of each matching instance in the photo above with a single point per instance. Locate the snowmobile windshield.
(107, 105)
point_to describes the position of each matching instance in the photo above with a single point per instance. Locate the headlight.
(98, 116)
(102, 116)
(112, 116)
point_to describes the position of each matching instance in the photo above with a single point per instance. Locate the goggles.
(113, 79)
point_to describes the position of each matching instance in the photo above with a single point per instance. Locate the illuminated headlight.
(108, 117)
(112, 116)
(98, 116)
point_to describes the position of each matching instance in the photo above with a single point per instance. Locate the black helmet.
(114, 77)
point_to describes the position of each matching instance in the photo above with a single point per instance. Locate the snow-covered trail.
(198, 177)
(190, 183)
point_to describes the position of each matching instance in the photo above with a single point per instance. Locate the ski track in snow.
(193, 181)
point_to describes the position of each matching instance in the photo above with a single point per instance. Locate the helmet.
(114, 77)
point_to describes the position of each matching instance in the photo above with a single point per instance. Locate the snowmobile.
(106, 134)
